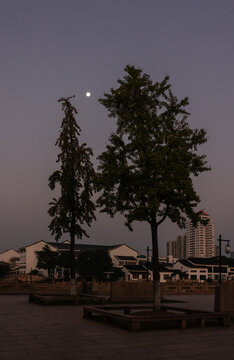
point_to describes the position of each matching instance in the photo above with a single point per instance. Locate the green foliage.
(34, 272)
(47, 259)
(75, 177)
(117, 274)
(65, 260)
(74, 208)
(4, 268)
(93, 264)
(147, 168)
(146, 172)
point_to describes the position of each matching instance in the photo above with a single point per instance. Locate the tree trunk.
(72, 268)
(73, 217)
(156, 272)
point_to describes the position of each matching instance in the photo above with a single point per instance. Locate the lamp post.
(227, 251)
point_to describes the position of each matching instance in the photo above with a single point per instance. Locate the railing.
(188, 287)
(118, 290)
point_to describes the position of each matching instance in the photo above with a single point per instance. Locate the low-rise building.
(206, 268)
(28, 257)
(191, 271)
(11, 257)
(135, 272)
(227, 267)
(120, 254)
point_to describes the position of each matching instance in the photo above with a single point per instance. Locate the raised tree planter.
(182, 318)
(65, 300)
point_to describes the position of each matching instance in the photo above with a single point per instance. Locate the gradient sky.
(59, 48)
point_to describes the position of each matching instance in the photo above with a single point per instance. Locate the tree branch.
(164, 216)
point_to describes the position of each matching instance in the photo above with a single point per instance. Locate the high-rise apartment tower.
(177, 248)
(200, 239)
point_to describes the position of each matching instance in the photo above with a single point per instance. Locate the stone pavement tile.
(25, 340)
(100, 349)
(6, 341)
(13, 357)
(219, 356)
(64, 347)
(88, 353)
(33, 346)
(44, 355)
(20, 347)
(20, 336)
(48, 356)
(126, 357)
(139, 352)
(82, 357)
(12, 353)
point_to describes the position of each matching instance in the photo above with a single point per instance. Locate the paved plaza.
(31, 331)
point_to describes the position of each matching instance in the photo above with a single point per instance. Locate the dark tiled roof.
(187, 263)
(212, 261)
(120, 257)
(81, 247)
(168, 265)
(135, 268)
(162, 267)
(190, 264)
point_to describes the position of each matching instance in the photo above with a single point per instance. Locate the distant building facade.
(206, 268)
(11, 257)
(200, 240)
(177, 248)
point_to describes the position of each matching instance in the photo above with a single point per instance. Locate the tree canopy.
(146, 172)
(4, 268)
(94, 264)
(47, 259)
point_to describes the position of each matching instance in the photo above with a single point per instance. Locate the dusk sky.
(59, 48)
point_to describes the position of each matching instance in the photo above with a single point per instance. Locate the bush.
(4, 269)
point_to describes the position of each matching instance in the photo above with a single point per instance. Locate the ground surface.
(30, 331)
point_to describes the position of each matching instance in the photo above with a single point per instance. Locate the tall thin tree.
(74, 208)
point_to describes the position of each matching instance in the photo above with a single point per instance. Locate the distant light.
(88, 94)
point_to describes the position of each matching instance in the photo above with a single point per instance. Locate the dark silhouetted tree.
(4, 268)
(74, 208)
(94, 264)
(47, 259)
(146, 172)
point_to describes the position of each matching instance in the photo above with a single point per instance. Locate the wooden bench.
(134, 322)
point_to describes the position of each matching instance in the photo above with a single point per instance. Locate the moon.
(88, 94)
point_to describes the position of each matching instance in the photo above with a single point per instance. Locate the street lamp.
(227, 251)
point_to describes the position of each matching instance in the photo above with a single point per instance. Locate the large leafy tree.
(94, 264)
(74, 208)
(146, 172)
(47, 259)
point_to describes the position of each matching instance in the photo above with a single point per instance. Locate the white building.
(120, 254)
(123, 255)
(191, 271)
(11, 257)
(135, 272)
(200, 239)
(28, 258)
